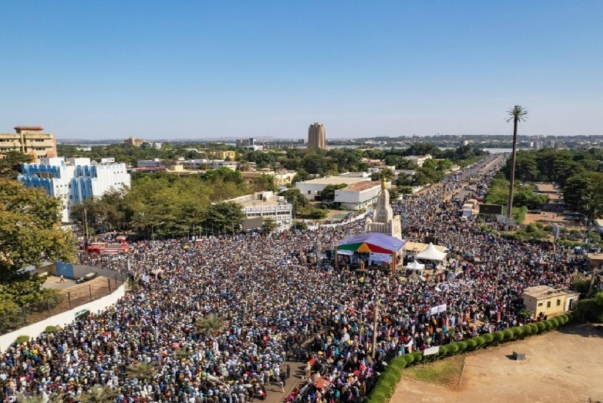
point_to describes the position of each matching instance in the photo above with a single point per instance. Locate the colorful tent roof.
(372, 242)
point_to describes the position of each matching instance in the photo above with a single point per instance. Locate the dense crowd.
(279, 303)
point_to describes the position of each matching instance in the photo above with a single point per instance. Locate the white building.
(418, 160)
(358, 196)
(151, 144)
(312, 188)
(73, 180)
(268, 206)
(217, 164)
(154, 163)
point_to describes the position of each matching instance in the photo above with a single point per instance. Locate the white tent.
(431, 253)
(415, 266)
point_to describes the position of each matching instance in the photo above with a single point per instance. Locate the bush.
(22, 339)
(517, 332)
(50, 329)
(378, 396)
(471, 344)
(508, 335)
(418, 356)
(479, 341)
(541, 327)
(444, 351)
(462, 345)
(488, 337)
(398, 363)
(453, 348)
(498, 336)
(527, 330)
(409, 358)
(534, 328)
(554, 323)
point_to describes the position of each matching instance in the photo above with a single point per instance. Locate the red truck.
(103, 248)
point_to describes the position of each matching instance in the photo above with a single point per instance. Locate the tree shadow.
(583, 329)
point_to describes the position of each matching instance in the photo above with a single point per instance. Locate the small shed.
(548, 301)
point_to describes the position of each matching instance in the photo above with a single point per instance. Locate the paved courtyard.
(563, 366)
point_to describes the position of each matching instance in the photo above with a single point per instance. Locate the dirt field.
(563, 366)
(551, 218)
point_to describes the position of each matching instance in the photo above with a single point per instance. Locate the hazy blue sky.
(194, 69)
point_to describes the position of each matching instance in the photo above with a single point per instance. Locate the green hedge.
(22, 339)
(388, 380)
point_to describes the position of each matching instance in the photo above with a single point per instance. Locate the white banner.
(433, 311)
(441, 308)
(380, 257)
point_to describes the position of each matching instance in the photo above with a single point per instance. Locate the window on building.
(540, 304)
(309, 192)
(548, 304)
(558, 302)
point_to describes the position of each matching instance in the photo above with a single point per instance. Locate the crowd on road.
(277, 300)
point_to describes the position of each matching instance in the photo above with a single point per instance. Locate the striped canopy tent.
(374, 243)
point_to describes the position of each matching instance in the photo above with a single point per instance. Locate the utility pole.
(86, 228)
(376, 310)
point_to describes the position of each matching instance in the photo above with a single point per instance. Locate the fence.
(66, 300)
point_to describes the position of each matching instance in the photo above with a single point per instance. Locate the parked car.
(86, 278)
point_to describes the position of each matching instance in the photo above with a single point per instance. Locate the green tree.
(10, 164)
(210, 324)
(143, 371)
(328, 193)
(99, 395)
(269, 225)
(584, 194)
(29, 234)
(224, 217)
(517, 114)
(264, 183)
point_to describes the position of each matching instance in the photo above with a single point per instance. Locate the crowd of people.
(278, 303)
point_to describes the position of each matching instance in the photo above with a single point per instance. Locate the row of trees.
(162, 203)
(578, 172)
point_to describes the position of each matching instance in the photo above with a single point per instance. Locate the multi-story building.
(73, 180)
(317, 136)
(154, 163)
(267, 205)
(223, 155)
(151, 144)
(312, 188)
(133, 141)
(418, 160)
(29, 140)
(248, 144)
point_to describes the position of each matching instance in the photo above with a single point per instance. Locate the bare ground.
(562, 366)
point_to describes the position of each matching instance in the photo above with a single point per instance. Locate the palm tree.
(517, 114)
(210, 324)
(143, 371)
(99, 395)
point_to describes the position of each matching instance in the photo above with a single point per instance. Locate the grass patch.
(445, 372)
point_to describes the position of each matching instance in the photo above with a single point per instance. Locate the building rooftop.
(543, 291)
(361, 186)
(19, 128)
(336, 180)
(254, 201)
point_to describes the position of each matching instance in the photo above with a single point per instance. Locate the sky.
(234, 69)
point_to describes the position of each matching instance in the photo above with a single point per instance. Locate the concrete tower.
(317, 136)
